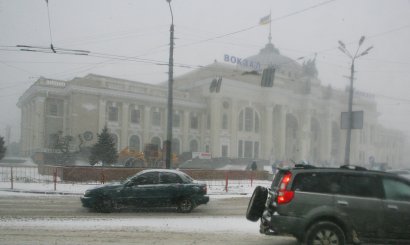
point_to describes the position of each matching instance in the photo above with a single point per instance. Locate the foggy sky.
(130, 39)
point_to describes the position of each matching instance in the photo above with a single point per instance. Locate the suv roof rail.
(354, 167)
(306, 166)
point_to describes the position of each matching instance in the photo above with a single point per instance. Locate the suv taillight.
(285, 196)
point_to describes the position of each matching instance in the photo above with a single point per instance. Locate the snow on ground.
(232, 224)
(203, 224)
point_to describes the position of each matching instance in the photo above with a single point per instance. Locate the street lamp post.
(356, 55)
(168, 143)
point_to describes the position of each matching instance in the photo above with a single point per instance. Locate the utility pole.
(342, 47)
(168, 143)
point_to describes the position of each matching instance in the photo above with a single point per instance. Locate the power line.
(254, 26)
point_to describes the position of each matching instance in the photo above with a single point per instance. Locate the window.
(176, 120)
(224, 121)
(256, 123)
(170, 178)
(317, 182)
(194, 121)
(134, 143)
(248, 120)
(156, 118)
(113, 114)
(256, 150)
(359, 185)
(224, 151)
(248, 149)
(54, 107)
(135, 116)
(240, 126)
(396, 190)
(149, 178)
(208, 122)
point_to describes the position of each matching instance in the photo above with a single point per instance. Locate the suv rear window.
(277, 178)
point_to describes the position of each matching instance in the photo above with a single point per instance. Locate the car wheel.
(104, 205)
(325, 232)
(185, 205)
(257, 203)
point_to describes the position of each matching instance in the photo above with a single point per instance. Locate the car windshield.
(221, 95)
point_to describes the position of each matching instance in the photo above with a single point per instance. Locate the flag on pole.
(265, 20)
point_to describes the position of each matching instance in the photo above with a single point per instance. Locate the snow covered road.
(56, 219)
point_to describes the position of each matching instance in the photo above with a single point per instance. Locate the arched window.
(248, 120)
(156, 117)
(135, 115)
(112, 111)
(135, 143)
(194, 120)
(176, 120)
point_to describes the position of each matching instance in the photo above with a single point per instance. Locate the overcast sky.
(130, 39)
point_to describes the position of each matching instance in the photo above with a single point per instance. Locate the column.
(281, 142)
(146, 126)
(215, 126)
(304, 136)
(102, 115)
(124, 125)
(266, 132)
(39, 122)
(234, 129)
(185, 130)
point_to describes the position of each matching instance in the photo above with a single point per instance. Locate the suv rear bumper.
(275, 224)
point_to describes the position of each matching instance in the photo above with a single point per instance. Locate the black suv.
(334, 206)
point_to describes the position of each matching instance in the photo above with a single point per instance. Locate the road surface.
(60, 220)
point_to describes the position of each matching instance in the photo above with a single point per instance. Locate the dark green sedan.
(148, 189)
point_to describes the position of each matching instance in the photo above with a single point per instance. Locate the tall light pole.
(356, 55)
(168, 143)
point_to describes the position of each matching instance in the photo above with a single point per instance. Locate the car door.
(359, 203)
(171, 187)
(396, 208)
(141, 190)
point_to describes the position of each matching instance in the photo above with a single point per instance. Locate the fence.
(58, 176)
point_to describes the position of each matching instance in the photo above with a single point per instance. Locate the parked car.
(334, 206)
(148, 188)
